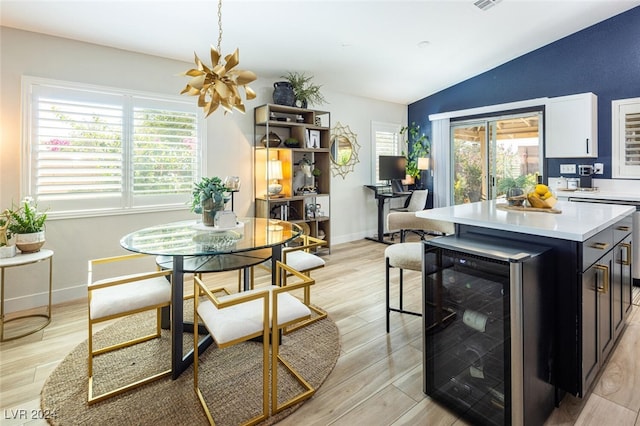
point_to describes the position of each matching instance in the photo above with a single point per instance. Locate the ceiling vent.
(486, 4)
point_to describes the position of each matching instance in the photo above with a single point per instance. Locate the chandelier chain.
(219, 26)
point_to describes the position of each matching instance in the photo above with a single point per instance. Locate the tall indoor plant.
(419, 147)
(27, 224)
(209, 196)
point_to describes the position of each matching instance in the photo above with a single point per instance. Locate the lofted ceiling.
(391, 50)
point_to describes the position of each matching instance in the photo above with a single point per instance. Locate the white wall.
(229, 152)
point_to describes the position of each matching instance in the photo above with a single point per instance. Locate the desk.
(382, 193)
(185, 241)
(20, 260)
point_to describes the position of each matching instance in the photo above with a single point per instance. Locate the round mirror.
(341, 150)
(344, 150)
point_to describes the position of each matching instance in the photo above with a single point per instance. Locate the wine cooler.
(488, 320)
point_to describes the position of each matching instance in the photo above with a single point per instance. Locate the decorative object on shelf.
(314, 139)
(283, 93)
(305, 91)
(27, 224)
(292, 143)
(272, 140)
(274, 174)
(219, 85)
(344, 150)
(6, 249)
(209, 196)
(306, 166)
(299, 118)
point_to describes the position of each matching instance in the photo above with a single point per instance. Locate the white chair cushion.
(405, 255)
(128, 297)
(244, 319)
(302, 261)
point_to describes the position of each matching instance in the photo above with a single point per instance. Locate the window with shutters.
(94, 150)
(625, 126)
(386, 141)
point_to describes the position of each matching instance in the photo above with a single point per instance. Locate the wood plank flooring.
(378, 377)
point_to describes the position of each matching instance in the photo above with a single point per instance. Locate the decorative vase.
(30, 243)
(7, 251)
(272, 140)
(283, 93)
(209, 210)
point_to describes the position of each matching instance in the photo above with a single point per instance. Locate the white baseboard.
(36, 300)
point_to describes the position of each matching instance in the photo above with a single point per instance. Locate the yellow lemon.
(542, 189)
(547, 195)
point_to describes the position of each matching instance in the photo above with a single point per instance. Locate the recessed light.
(423, 44)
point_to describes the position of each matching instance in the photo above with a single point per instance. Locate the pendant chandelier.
(219, 85)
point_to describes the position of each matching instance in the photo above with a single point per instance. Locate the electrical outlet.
(598, 168)
(568, 168)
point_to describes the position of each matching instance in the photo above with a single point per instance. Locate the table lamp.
(274, 173)
(423, 164)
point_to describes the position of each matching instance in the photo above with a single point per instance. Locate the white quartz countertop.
(601, 194)
(577, 222)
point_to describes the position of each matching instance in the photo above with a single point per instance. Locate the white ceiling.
(361, 47)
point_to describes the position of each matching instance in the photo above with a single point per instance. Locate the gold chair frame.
(308, 243)
(270, 326)
(91, 399)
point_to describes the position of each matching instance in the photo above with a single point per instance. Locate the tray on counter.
(527, 209)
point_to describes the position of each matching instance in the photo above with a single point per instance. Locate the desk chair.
(235, 318)
(119, 297)
(417, 201)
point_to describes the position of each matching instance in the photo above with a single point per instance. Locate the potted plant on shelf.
(27, 224)
(209, 196)
(420, 147)
(304, 90)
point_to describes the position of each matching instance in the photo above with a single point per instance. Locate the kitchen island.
(584, 300)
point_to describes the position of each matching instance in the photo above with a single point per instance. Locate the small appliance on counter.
(585, 172)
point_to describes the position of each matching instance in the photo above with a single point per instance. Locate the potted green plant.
(209, 196)
(305, 91)
(420, 147)
(27, 224)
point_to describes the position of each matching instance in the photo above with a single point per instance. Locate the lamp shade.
(423, 163)
(274, 169)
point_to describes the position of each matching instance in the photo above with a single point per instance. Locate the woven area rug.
(230, 378)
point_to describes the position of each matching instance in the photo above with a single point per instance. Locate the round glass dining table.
(190, 246)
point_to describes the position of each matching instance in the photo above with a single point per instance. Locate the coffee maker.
(586, 172)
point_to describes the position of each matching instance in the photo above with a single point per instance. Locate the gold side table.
(22, 259)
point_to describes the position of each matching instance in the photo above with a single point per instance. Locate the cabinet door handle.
(604, 288)
(627, 259)
(624, 228)
(600, 246)
(587, 145)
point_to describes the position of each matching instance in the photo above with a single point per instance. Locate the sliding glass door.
(490, 155)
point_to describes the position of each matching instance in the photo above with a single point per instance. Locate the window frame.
(619, 109)
(394, 128)
(133, 98)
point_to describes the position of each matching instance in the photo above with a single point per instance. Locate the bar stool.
(401, 256)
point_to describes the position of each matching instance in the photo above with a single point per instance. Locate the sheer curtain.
(441, 162)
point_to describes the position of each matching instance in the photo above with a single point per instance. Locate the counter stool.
(401, 256)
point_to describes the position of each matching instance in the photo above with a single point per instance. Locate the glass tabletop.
(191, 237)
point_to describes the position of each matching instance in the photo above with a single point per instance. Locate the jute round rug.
(229, 378)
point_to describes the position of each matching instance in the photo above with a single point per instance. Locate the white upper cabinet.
(572, 126)
(625, 126)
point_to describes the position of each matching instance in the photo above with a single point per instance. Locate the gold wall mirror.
(344, 150)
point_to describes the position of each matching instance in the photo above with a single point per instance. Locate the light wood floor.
(378, 378)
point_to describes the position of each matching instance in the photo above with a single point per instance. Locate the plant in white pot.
(209, 196)
(27, 224)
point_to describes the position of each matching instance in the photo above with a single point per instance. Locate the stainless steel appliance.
(488, 329)
(636, 230)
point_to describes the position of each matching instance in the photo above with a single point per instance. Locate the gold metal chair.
(303, 260)
(235, 318)
(120, 297)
